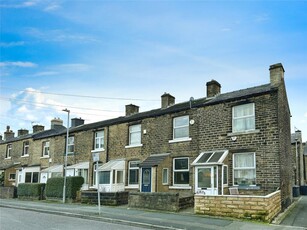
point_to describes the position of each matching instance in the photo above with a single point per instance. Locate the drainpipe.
(107, 144)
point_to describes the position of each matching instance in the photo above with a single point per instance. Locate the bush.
(31, 190)
(54, 187)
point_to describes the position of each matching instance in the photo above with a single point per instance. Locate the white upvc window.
(181, 127)
(133, 176)
(243, 118)
(45, 152)
(84, 174)
(31, 177)
(99, 140)
(135, 135)
(181, 174)
(25, 148)
(244, 169)
(8, 151)
(71, 145)
(12, 176)
(225, 175)
(165, 176)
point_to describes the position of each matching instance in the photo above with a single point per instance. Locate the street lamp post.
(66, 151)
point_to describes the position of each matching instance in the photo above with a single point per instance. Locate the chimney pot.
(8, 134)
(56, 122)
(213, 88)
(131, 109)
(167, 100)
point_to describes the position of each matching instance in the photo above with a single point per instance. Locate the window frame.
(227, 175)
(45, 145)
(181, 170)
(71, 145)
(8, 152)
(253, 115)
(131, 132)
(165, 173)
(244, 168)
(83, 173)
(32, 177)
(99, 140)
(10, 177)
(137, 162)
(25, 148)
(187, 126)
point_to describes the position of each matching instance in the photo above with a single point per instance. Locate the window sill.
(180, 187)
(133, 146)
(97, 150)
(243, 132)
(25, 156)
(132, 187)
(180, 140)
(7, 158)
(45, 157)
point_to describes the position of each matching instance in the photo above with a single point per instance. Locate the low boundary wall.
(106, 198)
(263, 208)
(8, 192)
(165, 201)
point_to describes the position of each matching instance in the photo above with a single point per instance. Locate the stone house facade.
(203, 146)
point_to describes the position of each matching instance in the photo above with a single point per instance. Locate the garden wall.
(263, 208)
(160, 201)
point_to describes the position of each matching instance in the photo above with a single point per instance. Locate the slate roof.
(221, 98)
(245, 93)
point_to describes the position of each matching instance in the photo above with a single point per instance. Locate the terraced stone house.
(202, 146)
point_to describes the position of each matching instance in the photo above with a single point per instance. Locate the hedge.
(54, 187)
(31, 190)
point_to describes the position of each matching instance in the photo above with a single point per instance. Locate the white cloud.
(59, 36)
(18, 64)
(21, 5)
(11, 44)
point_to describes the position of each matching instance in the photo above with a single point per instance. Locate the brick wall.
(263, 208)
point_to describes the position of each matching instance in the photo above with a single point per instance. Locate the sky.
(94, 57)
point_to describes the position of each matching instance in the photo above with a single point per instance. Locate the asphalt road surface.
(15, 219)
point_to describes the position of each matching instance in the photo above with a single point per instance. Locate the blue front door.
(146, 179)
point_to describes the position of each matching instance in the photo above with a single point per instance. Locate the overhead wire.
(82, 96)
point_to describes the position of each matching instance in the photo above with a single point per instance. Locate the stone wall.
(106, 198)
(160, 201)
(262, 208)
(8, 192)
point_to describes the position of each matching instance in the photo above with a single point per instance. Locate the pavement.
(146, 219)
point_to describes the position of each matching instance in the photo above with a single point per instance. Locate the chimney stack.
(76, 122)
(22, 132)
(56, 122)
(131, 109)
(213, 88)
(276, 74)
(167, 100)
(38, 128)
(8, 134)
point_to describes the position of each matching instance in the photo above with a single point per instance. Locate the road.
(15, 219)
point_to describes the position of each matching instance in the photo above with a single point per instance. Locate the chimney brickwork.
(167, 100)
(38, 128)
(276, 74)
(131, 109)
(8, 134)
(76, 122)
(213, 88)
(22, 132)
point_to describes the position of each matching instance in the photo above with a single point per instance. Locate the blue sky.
(94, 57)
